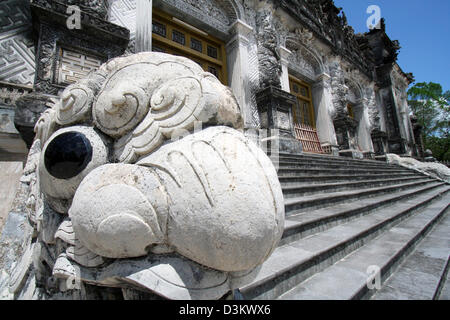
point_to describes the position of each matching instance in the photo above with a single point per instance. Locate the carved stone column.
(237, 60)
(275, 111)
(396, 143)
(144, 26)
(322, 100)
(363, 130)
(284, 54)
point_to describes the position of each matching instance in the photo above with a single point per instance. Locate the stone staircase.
(344, 216)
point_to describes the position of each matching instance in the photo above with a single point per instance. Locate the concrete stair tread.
(284, 164)
(314, 216)
(287, 258)
(284, 161)
(419, 276)
(342, 170)
(313, 179)
(329, 158)
(347, 278)
(348, 194)
(343, 184)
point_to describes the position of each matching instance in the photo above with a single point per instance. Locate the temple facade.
(211, 149)
(301, 75)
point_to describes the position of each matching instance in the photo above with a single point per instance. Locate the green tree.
(431, 106)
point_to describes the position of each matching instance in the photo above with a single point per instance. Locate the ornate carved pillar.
(284, 54)
(395, 141)
(322, 100)
(378, 125)
(363, 130)
(144, 26)
(238, 67)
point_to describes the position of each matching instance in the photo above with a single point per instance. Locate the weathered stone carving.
(329, 24)
(303, 62)
(435, 170)
(269, 59)
(97, 36)
(374, 114)
(339, 89)
(212, 8)
(185, 219)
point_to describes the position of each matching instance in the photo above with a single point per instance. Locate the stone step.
(307, 189)
(328, 172)
(444, 293)
(348, 277)
(314, 165)
(302, 225)
(301, 204)
(290, 180)
(325, 161)
(328, 158)
(423, 273)
(291, 264)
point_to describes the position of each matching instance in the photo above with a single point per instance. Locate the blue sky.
(422, 27)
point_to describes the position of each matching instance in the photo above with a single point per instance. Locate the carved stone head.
(143, 182)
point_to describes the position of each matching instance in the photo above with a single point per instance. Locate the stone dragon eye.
(68, 155)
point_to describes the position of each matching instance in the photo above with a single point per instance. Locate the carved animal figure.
(142, 181)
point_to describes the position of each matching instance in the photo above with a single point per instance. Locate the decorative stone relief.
(253, 77)
(105, 39)
(123, 13)
(302, 62)
(374, 114)
(98, 8)
(116, 201)
(17, 54)
(9, 93)
(74, 66)
(268, 43)
(212, 8)
(218, 15)
(339, 89)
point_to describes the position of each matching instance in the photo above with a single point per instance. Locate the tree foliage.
(431, 106)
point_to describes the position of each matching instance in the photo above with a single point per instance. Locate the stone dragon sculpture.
(139, 180)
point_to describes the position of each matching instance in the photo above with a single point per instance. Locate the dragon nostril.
(67, 155)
